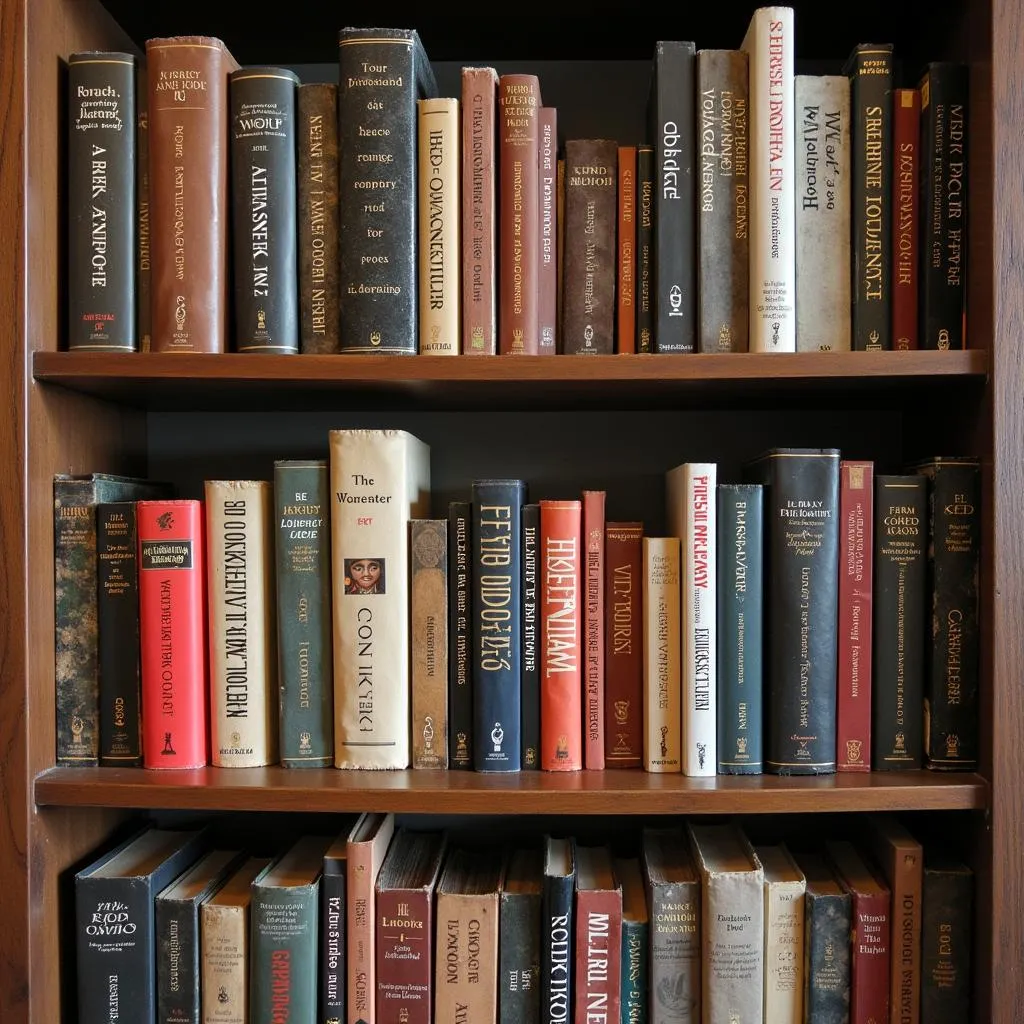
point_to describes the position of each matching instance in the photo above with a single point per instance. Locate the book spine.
(740, 637)
(101, 202)
(264, 202)
(316, 109)
(117, 622)
(827, 957)
(625, 310)
(241, 606)
(560, 246)
(944, 119)
(662, 688)
(479, 218)
(598, 956)
(871, 75)
(519, 214)
(723, 273)
(557, 950)
(428, 586)
(172, 633)
(770, 45)
(332, 943)
(547, 282)
(285, 927)
(302, 503)
(783, 953)
(645, 293)
(946, 941)
(869, 958)
(497, 624)
(224, 992)
(530, 685)
(901, 539)
(177, 962)
(633, 972)
(856, 565)
(823, 213)
(460, 679)
(143, 251)
(623, 645)
(675, 243)
(594, 676)
(561, 634)
(466, 976)
(519, 936)
(733, 940)
(906, 228)
(675, 967)
(404, 940)
(440, 262)
(190, 205)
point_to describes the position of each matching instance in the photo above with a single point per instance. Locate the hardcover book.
(947, 912)
(428, 612)
(529, 690)
(623, 645)
(598, 937)
(663, 729)
(645, 286)
(333, 911)
(635, 942)
(460, 677)
(625, 298)
(558, 931)
(519, 937)
(784, 890)
(594, 665)
(143, 250)
(547, 273)
(906, 226)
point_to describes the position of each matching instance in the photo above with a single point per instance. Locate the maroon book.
(623, 646)
(593, 644)
(598, 937)
(906, 145)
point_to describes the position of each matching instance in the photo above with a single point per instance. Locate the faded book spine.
(519, 936)
(906, 237)
(662, 690)
(645, 293)
(428, 586)
(594, 666)
(460, 677)
(405, 989)
(224, 966)
(547, 302)
(530, 686)
(675, 966)
(623, 646)
(827, 926)
(947, 906)
(143, 254)
(466, 973)
(625, 300)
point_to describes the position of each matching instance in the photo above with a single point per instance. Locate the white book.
(662, 718)
(823, 322)
(784, 887)
(380, 479)
(769, 44)
(691, 491)
(242, 617)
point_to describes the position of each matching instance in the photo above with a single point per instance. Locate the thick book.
(598, 991)
(557, 931)
(547, 273)
(264, 205)
(784, 889)
(947, 933)
(625, 275)
(520, 909)
(428, 629)
(302, 502)
(102, 210)
(460, 678)
(645, 288)
(801, 538)
(623, 644)
(593, 632)
(241, 613)
(316, 132)
(662, 717)
(143, 248)
(740, 628)
(635, 942)
(953, 645)
(906, 219)
(898, 641)
(115, 923)
(190, 199)
(496, 608)
(381, 74)
(333, 910)
(529, 687)
(380, 479)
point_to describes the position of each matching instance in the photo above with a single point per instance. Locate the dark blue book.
(740, 610)
(635, 942)
(530, 688)
(557, 924)
(497, 614)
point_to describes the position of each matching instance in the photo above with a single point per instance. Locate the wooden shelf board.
(236, 380)
(452, 792)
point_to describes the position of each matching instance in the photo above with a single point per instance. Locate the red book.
(593, 534)
(853, 703)
(598, 937)
(623, 645)
(548, 273)
(625, 329)
(906, 144)
(172, 633)
(560, 607)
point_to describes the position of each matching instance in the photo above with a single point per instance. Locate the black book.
(519, 931)
(382, 72)
(101, 202)
(332, 931)
(460, 680)
(263, 209)
(645, 249)
(947, 900)
(530, 689)
(557, 930)
(898, 632)
(871, 72)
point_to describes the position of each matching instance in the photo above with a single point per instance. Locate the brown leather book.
(623, 645)
(548, 279)
(190, 210)
(625, 331)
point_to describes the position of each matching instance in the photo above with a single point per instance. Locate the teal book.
(635, 942)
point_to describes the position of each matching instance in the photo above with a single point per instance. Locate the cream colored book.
(439, 217)
(662, 696)
(242, 621)
(380, 479)
(784, 887)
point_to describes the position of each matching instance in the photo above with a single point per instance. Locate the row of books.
(385, 925)
(770, 211)
(325, 617)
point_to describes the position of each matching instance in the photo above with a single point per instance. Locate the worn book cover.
(784, 889)
(519, 937)
(636, 941)
(663, 724)
(428, 612)
(947, 932)
(598, 990)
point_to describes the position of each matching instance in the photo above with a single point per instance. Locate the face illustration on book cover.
(364, 576)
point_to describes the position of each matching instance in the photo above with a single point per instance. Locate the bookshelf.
(187, 417)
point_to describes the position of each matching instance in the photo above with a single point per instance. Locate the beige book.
(428, 543)
(784, 887)
(242, 621)
(380, 479)
(224, 941)
(732, 925)
(662, 697)
(438, 213)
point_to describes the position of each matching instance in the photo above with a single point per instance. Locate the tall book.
(143, 250)
(389, 471)
(645, 287)
(954, 640)
(190, 202)
(428, 613)
(625, 293)
(438, 214)
(633, 1007)
(460, 678)
(102, 209)
(547, 274)
(770, 43)
(906, 217)
(784, 890)
(662, 717)
(519, 937)
(594, 664)
(623, 644)
(241, 609)
(870, 69)
(740, 628)
(496, 608)
(316, 119)
(529, 689)
(381, 74)
(801, 598)
(302, 502)
(479, 211)
(598, 937)
(947, 905)
(333, 908)
(557, 931)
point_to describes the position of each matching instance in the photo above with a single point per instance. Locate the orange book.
(561, 654)
(625, 326)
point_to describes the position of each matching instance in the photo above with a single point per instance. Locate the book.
(645, 255)
(947, 912)
(333, 912)
(594, 664)
(143, 249)
(784, 890)
(558, 910)
(662, 687)
(460, 681)
(906, 217)
(519, 937)
(547, 273)
(625, 297)
(428, 630)
(598, 990)
(529, 689)
(635, 942)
